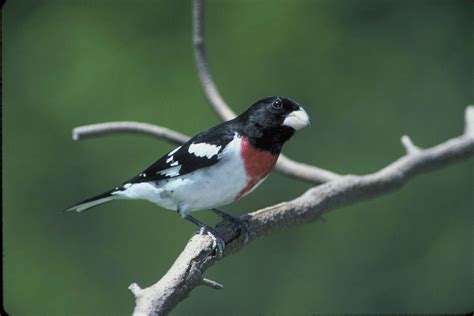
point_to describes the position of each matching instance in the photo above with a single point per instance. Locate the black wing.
(182, 160)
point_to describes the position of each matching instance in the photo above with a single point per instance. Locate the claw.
(218, 243)
(243, 225)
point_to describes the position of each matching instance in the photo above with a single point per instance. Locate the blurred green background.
(366, 71)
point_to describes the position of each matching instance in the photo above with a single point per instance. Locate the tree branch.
(284, 165)
(410, 148)
(199, 254)
(207, 83)
(102, 129)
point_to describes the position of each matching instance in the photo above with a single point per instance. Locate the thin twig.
(305, 172)
(102, 129)
(469, 121)
(200, 55)
(212, 284)
(198, 255)
(410, 148)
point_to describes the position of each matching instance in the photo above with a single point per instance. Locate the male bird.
(217, 166)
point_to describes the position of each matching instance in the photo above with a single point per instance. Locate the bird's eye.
(277, 105)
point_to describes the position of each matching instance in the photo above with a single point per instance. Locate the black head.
(270, 122)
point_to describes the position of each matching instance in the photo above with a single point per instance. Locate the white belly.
(204, 188)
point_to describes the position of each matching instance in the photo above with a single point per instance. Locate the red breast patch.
(257, 163)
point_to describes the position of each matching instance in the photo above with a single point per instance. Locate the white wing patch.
(171, 153)
(171, 172)
(204, 150)
(170, 160)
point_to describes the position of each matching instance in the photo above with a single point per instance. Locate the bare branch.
(198, 255)
(135, 289)
(212, 284)
(305, 172)
(188, 275)
(207, 83)
(101, 129)
(410, 148)
(469, 121)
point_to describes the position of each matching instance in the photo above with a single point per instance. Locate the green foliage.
(366, 71)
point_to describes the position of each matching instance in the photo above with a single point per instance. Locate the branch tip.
(101, 129)
(212, 284)
(177, 283)
(469, 120)
(75, 134)
(135, 289)
(307, 207)
(409, 146)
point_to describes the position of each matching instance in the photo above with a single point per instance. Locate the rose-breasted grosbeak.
(217, 166)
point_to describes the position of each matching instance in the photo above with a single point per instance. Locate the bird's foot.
(218, 244)
(242, 225)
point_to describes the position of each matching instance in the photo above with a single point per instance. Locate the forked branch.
(199, 254)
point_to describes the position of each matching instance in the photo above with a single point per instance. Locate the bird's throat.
(258, 164)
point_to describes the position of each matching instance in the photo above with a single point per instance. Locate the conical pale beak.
(297, 119)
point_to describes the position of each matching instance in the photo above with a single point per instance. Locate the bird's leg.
(195, 221)
(224, 215)
(243, 225)
(218, 242)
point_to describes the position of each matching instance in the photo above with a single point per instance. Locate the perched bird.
(217, 166)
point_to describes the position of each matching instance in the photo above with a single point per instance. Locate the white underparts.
(142, 190)
(205, 188)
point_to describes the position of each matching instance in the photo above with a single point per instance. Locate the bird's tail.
(92, 202)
